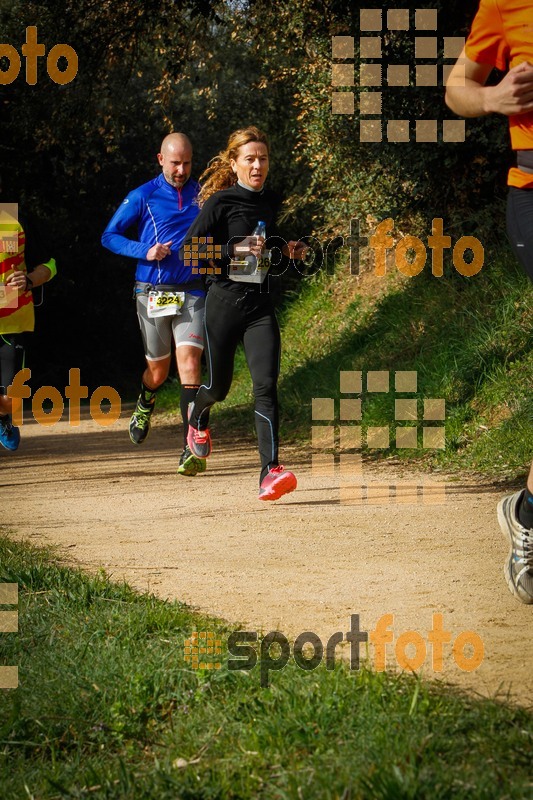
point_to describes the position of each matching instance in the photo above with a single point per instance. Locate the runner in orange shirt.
(502, 37)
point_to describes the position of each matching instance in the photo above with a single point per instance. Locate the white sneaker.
(518, 568)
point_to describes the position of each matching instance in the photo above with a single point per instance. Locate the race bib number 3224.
(164, 304)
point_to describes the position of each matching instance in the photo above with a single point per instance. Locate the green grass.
(107, 707)
(469, 339)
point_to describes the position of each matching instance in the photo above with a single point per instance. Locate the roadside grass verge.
(107, 707)
(470, 341)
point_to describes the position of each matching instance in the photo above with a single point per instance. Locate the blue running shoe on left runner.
(9, 434)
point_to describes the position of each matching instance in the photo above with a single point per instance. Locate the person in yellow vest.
(24, 264)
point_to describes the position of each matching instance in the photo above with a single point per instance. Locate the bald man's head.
(176, 159)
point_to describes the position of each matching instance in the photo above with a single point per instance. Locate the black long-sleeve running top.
(228, 217)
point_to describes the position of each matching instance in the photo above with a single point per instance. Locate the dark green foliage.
(70, 153)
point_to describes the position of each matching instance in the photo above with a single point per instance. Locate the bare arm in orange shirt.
(467, 95)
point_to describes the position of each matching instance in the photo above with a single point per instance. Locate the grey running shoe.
(140, 422)
(190, 465)
(518, 568)
(199, 442)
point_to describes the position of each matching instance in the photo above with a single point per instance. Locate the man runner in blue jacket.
(170, 299)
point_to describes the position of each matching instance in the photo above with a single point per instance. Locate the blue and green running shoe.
(9, 434)
(140, 422)
(190, 465)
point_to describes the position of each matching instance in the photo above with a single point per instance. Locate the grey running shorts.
(184, 328)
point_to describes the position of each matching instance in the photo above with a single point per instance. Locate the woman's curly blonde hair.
(218, 173)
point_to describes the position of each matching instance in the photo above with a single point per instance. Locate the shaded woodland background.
(69, 154)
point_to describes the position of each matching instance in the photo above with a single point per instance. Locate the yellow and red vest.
(16, 308)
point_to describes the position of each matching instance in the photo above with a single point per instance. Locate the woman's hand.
(250, 245)
(296, 250)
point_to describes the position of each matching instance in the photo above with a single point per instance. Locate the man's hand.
(514, 94)
(297, 250)
(159, 251)
(17, 279)
(467, 95)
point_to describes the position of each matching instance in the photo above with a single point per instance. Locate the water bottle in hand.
(249, 269)
(259, 230)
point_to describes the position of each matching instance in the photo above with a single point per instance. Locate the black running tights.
(231, 317)
(11, 358)
(520, 226)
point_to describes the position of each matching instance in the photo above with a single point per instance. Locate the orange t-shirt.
(502, 35)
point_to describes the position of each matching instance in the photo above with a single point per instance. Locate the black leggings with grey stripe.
(520, 226)
(11, 358)
(230, 318)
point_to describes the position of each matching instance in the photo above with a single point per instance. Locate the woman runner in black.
(238, 308)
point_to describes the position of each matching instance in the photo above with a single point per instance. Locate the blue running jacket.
(162, 213)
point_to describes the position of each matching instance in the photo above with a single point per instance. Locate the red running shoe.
(199, 442)
(276, 483)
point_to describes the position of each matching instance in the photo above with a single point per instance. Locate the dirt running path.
(303, 563)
